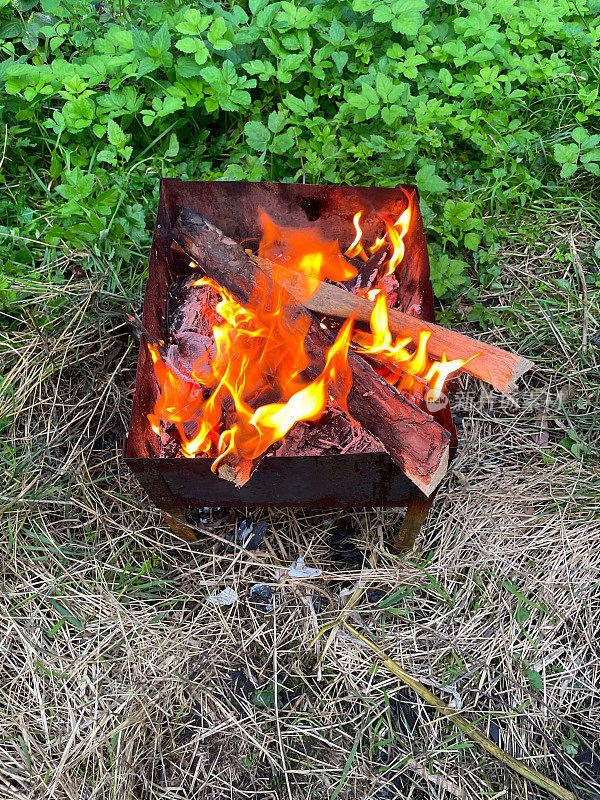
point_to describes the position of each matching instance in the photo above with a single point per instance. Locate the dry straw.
(120, 682)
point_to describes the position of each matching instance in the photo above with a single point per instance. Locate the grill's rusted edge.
(312, 481)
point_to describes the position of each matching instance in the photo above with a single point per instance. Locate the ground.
(120, 680)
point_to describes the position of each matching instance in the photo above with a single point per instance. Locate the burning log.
(491, 364)
(412, 438)
(418, 444)
(237, 468)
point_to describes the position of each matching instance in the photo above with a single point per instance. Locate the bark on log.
(412, 438)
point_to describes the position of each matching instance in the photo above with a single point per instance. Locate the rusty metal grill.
(344, 480)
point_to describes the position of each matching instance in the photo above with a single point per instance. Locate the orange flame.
(179, 399)
(249, 390)
(259, 357)
(356, 248)
(406, 368)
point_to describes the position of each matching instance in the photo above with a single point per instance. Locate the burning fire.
(394, 236)
(356, 248)
(249, 391)
(256, 391)
(405, 368)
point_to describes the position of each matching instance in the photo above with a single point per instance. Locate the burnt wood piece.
(418, 444)
(491, 364)
(235, 467)
(142, 331)
(191, 315)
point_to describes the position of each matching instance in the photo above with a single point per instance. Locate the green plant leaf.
(187, 67)
(172, 147)
(428, 181)
(115, 134)
(407, 16)
(216, 35)
(337, 34)
(283, 142)
(187, 45)
(78, 114)
(472, 240)
(458, 213)
(162, 39)
(568, 170)
(535, 680)
(340, 59)
(257, 135)
(194, 22)
(567, 155)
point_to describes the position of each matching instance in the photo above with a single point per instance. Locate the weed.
(489, 107)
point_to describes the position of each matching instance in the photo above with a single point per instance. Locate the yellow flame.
(403, 221)
(378, 244)
(406, 366)
(397, 248)
(382, 337)
(356, 248)
(439, 373)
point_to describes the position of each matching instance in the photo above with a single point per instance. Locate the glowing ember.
(249, 390)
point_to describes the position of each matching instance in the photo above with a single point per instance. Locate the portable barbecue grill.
(177, 485)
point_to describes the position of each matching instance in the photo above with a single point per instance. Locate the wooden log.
(418, 444)
(491, 364)
(235, 467)
(191, 315)
(412, 438)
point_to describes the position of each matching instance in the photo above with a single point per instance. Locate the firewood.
(491, 364)
(235, 467)
(191, 315)
(418, 444)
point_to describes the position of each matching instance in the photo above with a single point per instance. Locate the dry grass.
(120, 681)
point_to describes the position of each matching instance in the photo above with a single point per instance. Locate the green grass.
(492, 108)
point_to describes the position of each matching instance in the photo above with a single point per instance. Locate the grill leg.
(416, 514)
